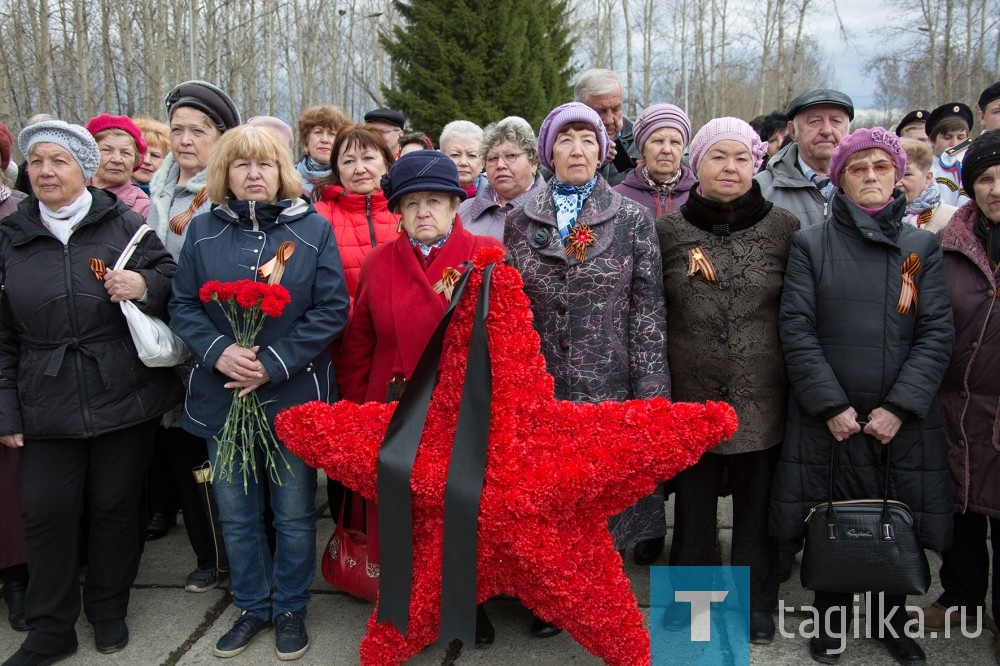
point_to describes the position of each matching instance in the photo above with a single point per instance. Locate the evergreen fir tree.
(463, 59)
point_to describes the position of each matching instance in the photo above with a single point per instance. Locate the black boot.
(13, 594)
(484, 628)
(648, 551)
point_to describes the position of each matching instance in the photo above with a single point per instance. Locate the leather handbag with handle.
(863, 545)
(345, 562)
(157, 345)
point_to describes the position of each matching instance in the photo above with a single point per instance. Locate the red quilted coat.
(360, 223)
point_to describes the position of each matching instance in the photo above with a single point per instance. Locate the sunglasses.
(880, 168)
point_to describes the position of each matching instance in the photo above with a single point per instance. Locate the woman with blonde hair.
(157, 138)
(256, 187)
(924, 208)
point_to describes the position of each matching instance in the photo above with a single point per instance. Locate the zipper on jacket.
(368, 215)
(253, 216)
(88, 426)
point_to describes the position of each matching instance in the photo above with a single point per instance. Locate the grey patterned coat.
(724, 332)
(603, 321)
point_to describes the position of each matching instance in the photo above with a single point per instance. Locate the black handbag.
(865, 545)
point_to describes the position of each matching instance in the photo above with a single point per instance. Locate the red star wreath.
(556, 472)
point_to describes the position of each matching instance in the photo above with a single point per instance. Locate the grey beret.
(74, 138)
(817, 96)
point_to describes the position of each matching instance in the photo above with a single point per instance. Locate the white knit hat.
(74, 138)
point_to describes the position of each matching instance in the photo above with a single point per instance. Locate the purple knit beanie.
(863, 139)
(658, 116)
(721, 129)
(559, 117)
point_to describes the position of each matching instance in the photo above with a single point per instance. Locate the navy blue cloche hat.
(421, 171)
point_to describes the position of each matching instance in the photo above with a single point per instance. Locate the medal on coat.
(579, 240)
(700, 263)
(908, 293)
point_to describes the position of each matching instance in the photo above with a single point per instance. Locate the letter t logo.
(701, 610)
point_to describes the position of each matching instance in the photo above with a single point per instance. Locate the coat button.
(723, 390)
(974, 344)
(561, 310)
(541, 238)
(564, 345)
(961, 443)
(963, 394)
(723, 336)
(724, 285)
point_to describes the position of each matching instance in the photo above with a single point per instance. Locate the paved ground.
(171, 626)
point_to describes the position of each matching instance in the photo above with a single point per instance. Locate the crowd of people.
(838, 288)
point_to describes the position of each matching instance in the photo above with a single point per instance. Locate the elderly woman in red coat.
(400, 300)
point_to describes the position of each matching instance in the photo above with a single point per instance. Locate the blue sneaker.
(234, 641)
(290, 638)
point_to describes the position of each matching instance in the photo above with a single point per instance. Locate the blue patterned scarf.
(568, 200)
(311, 171)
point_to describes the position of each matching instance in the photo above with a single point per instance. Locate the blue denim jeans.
(268, 586)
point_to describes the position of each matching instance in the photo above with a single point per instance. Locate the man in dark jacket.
(601, 90)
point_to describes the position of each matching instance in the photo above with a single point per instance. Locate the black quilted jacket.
(68, 367)
(845, 344)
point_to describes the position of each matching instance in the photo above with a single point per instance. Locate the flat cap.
(915, 116)
(824, 96)
(387, 116)
(947, 111)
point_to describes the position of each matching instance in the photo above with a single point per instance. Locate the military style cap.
(913, 117)
(947, 111)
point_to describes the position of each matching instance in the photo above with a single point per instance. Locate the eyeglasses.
(508, 158)
(880, 168)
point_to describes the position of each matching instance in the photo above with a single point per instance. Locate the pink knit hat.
(105, 122)
(658, 116)
(721, 129)
(559, 117)
(863, 139)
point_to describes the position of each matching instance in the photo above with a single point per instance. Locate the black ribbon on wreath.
(463, 487)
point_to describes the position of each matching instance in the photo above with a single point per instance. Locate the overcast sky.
(861, 18)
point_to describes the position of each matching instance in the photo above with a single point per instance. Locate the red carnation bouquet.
(247, 304)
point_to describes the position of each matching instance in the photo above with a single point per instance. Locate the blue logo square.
(700, 615)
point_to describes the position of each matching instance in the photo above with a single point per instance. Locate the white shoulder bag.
(158, 346)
